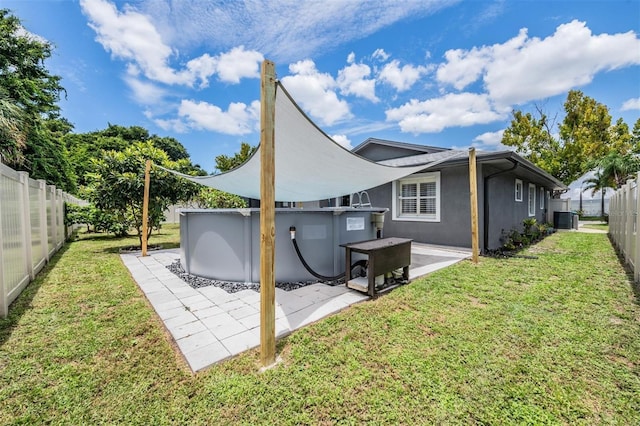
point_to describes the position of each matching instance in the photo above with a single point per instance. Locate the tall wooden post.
(267, 215)
(473, 191)
(145, 206)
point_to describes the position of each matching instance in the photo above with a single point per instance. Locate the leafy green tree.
(83, 147)
(117, 185)
(211, 198)
(533, 137)
(224, 163)
(585, 134)
(585, 128)
(635, 137)
(129, 134)
(48, 156)
(24, 77)
(12, 137)
(27, 85)
(174, 149)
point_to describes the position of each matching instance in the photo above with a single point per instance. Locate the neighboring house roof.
(448, 157)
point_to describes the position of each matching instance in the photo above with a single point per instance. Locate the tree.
(225, 163)
(83, 147)
(533, 138)
(46, 155)
(24, 77)
(211, 198)
(585, 134)
(174, 149)
(117, 185)
(27, 86)
(598, 183)
(12, 138)
(616, 168)
(635, 137)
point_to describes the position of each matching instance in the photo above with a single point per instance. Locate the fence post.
(619, 206)
(54, 220)
(59, 219)
(44, 226)
(4, 306)
(636, 258)
(26, 223)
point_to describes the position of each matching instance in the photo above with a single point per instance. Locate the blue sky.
(443, 73)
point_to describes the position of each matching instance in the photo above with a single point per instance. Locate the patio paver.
(210, 325)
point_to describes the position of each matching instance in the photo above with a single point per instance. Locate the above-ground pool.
(224, 244)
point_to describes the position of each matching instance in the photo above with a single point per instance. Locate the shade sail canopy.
(309, 165)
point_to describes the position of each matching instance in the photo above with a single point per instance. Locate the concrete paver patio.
(210, 325)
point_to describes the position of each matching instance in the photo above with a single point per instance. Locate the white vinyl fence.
(624, 222)
(32, 229)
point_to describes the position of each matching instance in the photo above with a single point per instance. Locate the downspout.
(485, 221)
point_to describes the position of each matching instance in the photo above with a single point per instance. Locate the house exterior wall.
(454, 227)
(505, 213)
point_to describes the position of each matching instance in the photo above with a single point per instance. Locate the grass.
(600, 226)
(552, 340)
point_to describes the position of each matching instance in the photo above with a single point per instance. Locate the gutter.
(485, 200)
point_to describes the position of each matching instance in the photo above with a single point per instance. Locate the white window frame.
(532, 199)
(395, 196)
(519, 192)
(542, 198)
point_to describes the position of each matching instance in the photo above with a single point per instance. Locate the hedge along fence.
(32, 229)
(624, 223)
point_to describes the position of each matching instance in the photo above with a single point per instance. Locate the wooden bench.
(385, 255)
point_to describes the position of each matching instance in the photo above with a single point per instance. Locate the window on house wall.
(532, 199)
(417, 198)
(518, 190)
(541, 198)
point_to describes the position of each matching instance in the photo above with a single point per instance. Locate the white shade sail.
(309, 165)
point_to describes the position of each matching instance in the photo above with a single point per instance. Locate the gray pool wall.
(224, 244)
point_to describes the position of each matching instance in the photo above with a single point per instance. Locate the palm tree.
(599, 182)
(618, 168)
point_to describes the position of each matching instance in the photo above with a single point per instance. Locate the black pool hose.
(362, 263)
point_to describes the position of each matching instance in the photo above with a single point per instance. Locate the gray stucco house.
(433, 206)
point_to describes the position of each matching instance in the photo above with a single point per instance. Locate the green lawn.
(600, 226)
(552, 340)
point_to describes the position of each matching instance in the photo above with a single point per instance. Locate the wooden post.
(473, 191)
(145, 206)
(267, 215)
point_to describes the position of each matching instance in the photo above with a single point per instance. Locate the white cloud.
(239, 63)
(282, 29)
(343, 140)
(133, 36)
(380, 55)
(401, 78)
(143, 92)
(452, 110)
(352, 81)
(239, 119)
(315, 92)
(631, 104)
(174, 124)
(524, 69)
(491, 141)
(23, 32)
